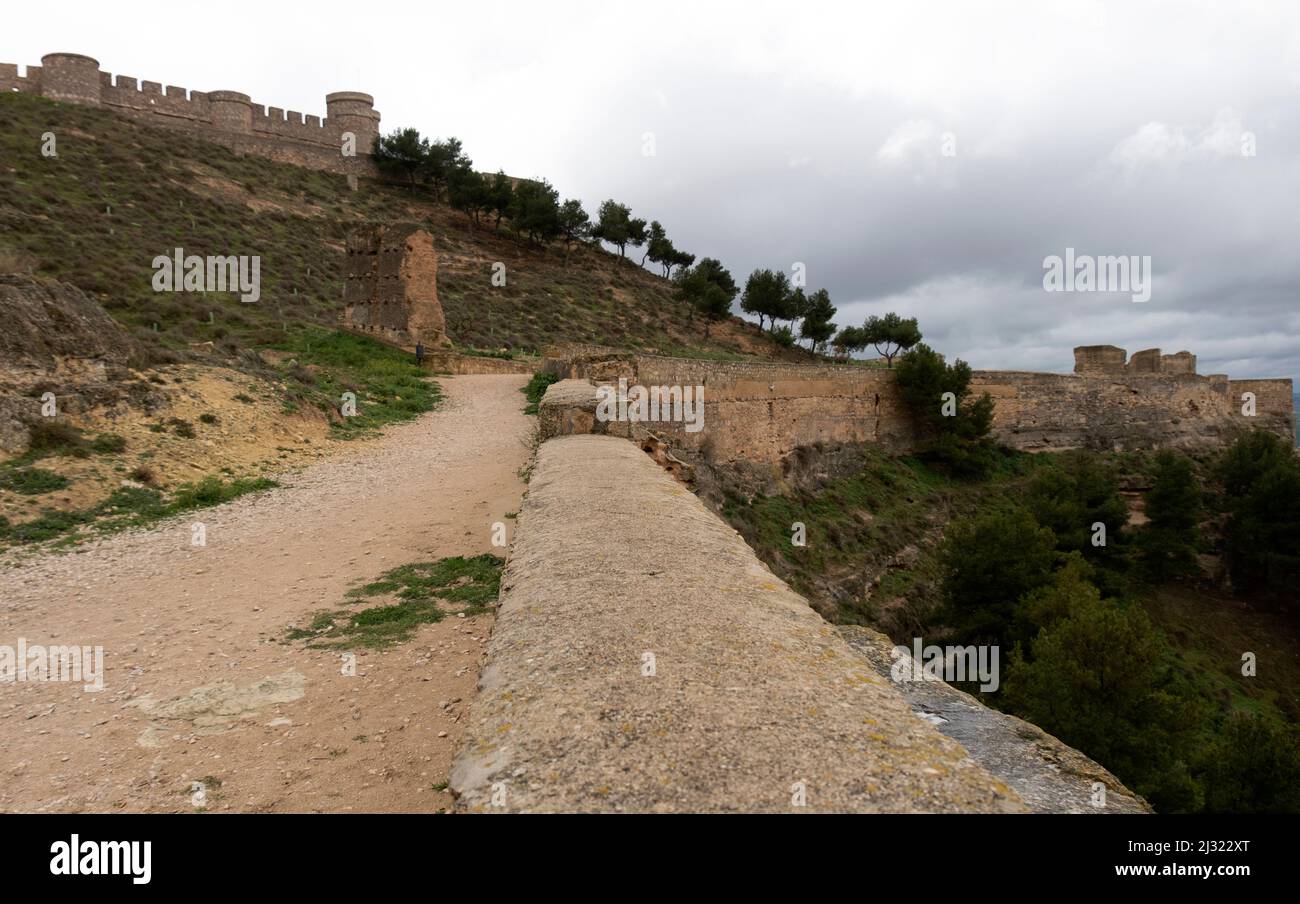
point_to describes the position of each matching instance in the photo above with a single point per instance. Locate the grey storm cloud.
(816, 133)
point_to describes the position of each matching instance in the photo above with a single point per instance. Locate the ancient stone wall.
(390, 286)
(761, 412)
(226, 117)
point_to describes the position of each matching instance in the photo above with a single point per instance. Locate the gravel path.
(200, 686)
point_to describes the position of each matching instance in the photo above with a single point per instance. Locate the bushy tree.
(535, 210)
(614, 225)
(989, 562)
(848, 340)
(501, 192)
(708, 289)
(574, 224)
(765, 294)
(1253, 767)
(957, 427)
(890, 335)
(818, 320)
(1073, 497)
(445, 159)
(677, 259)
(1096, 679)
(1261, 480)
(404, 155)
(1167, 542)
(469, 192)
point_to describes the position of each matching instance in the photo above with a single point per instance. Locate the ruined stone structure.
(226, 117)
(762, 412)
(390, 286)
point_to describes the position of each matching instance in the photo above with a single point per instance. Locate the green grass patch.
(536, 388)
(387, 384)
(31, 481)
(421, 593)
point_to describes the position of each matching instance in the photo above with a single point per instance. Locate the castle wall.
(762, 412)
(224, 117)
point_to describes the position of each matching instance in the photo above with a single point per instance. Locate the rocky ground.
(200, 683)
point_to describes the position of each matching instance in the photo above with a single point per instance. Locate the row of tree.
(533, 210)
(532, 207)
(770, 295)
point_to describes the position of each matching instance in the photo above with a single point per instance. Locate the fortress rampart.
(226, 117)
(762, 412)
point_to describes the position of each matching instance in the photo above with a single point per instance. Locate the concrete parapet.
(618, 570)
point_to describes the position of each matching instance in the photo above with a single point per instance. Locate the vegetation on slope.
(118, 194)
(1134, 651)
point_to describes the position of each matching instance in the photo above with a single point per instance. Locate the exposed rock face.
(390, 288)
(56, 339)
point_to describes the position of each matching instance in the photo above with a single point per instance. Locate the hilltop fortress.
(228, 118)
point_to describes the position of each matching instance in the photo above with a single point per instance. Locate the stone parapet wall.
(753, 698)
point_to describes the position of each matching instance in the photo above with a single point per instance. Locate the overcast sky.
(803, 132)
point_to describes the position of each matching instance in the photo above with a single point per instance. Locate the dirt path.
(199, 686)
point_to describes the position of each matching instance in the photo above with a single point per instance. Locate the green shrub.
(31, 481)
(536, 388)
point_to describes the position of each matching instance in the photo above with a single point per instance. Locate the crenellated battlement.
(227, 117)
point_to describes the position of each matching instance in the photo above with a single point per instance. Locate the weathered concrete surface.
(752, 693)
(1049, 776)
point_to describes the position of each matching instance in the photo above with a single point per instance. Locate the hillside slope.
(118, 194)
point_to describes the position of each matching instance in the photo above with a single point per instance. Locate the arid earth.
(201, 685)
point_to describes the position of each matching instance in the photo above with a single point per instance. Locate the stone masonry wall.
(761, 412)
(390, 286)
(226, 117)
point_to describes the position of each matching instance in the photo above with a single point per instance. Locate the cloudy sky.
(918, 157)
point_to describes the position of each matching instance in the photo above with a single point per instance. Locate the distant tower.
(352, 111)
(70, 76)
(231, 111)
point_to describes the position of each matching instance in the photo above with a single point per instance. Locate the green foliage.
(614, 224)
(890, 334)
(1167, 544)
(31, 481)
(1254, 767)
(708, 289)
(1070, 499)
(936, 392)
(536, 388)
(767, 294)
(1095, 679)
(989, 562)
(423, 592)
(535, 210)
(818, 316)
(404, 154)
(212, 491)
(389, 386)
(573, 222)
(1261, 480)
